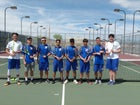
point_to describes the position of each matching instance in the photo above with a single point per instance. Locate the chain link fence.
(129, 48)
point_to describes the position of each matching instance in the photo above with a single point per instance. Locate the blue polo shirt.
(58, 51)
(28, 50)
(43, 49)
(71, 51)
(98, 59)
(85, 51)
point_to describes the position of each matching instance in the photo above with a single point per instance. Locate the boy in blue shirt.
(71, 55)
(29, 52)
(98, 51)
(44, 50)
(84, 54)
(58, 54)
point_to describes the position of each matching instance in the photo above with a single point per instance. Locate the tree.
(57, 36)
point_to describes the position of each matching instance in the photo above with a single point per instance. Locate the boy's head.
(15, 36)
(43, 40)
(98, 40)
(72, 41)
(58, 41)
(111, 37)
(29, 40)
(85, 42)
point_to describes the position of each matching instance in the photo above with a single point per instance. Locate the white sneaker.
(75, 81)
(96, 82)
(66, 81)
(100, 82)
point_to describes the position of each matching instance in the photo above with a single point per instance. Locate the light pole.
(92, 32)
(99, 28)
(11, 7)
(119, 10)
(101, 31)
(87, 29)
(97, 32)
(41, 30)
(108, 24)
(133, 29)
(105, 29)
(38, 29)
(37, 34)
(22, 20)
(31, 27)
(115, 24)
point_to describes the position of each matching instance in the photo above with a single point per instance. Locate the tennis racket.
(25, 50)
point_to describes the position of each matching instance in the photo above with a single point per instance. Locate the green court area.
(128, 70)
(125, 92)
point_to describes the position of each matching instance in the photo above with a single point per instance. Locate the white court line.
(131, 69)
(3, 64)
(63, 94)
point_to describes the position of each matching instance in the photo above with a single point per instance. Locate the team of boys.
(14, 48)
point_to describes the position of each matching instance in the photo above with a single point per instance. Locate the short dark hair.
(97, 38)
(85, 40)
(58, 40)
(15, 34)
(28, 38)
(111, 35)
(72, 40)
(43, 38)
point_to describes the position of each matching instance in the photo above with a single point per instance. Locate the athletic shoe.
(75, 81)
(62, 81)
(110, 82)
(7, 83)
(26, 82)
(96, 82)
(88, 81)
(66, 81)
(100, 82)
(18, 83)
(80, 82)
(53, 81)
(47, 80)
(113, 83)
(41, 80)
(32, 81)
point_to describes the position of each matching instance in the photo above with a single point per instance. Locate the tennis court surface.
(125, 92)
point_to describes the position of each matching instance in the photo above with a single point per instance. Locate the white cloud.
(129, 4)
(5, 2)
(41, 11)
(60, 20)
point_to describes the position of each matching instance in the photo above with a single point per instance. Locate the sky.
(68, 16)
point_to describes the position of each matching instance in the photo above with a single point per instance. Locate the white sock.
(32, 78)
(8, 72)
(8, 75)
(26, 78)
(8, 79)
